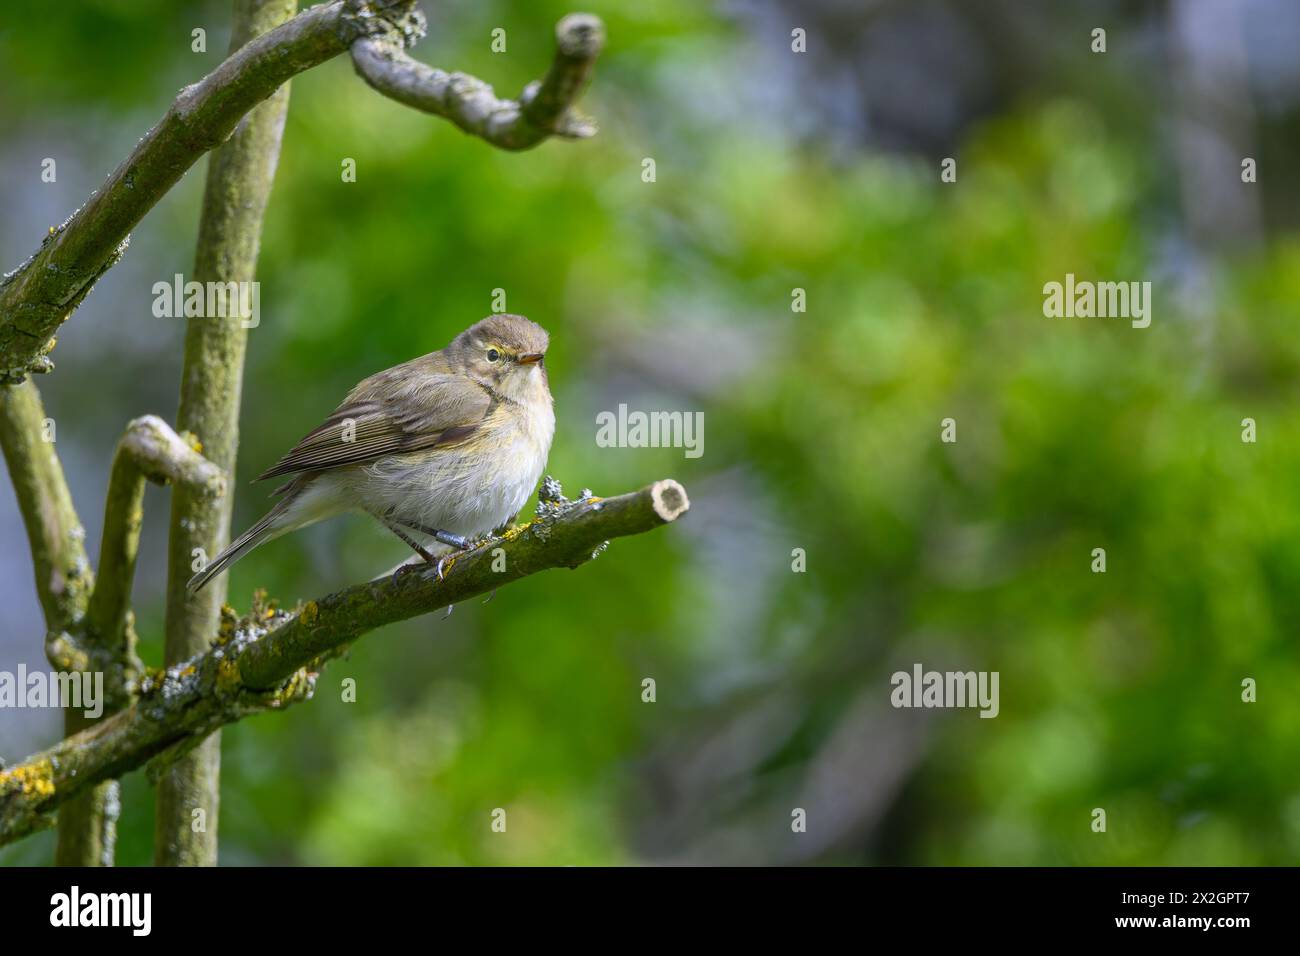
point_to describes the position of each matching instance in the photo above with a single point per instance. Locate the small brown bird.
(447, 446)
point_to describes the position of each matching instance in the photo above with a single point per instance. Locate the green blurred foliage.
(1119, 691)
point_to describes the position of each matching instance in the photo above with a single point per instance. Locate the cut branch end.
(669, 500)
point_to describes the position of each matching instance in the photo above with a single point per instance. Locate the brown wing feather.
(410, 407)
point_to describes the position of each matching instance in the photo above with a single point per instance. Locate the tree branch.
(106, 641)
(544, 108)
(241, 172)
(40, 295)
(64, 585)
(54, 532)
(148, 450)
(269, 659)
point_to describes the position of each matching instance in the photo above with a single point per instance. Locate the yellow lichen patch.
(309, 613)
(29, 779)
(227, 676)
(298, 687)
(229, 622)
(517, 530)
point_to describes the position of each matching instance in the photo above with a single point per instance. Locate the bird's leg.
(442, 537)
(415, 545)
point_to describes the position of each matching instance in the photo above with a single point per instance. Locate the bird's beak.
(530, 358)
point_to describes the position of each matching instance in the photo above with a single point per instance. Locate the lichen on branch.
(269, 658)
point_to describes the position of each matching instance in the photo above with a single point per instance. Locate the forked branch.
(544, 109)
(40, 295)
(148, 451)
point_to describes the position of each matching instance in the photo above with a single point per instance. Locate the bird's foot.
(445, 562)
(461, 543)
(399, 571)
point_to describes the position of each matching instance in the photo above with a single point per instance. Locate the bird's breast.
(475, 486)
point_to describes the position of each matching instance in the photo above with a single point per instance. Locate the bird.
(449, 446)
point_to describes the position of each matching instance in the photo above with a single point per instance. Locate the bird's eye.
(493, 355)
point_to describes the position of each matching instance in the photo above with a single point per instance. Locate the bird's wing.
(406, 408)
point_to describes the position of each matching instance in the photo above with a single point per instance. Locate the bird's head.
(504, 352)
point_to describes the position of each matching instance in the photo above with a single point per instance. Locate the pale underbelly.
(450, 490)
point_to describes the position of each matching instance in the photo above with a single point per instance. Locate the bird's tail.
(270, 526)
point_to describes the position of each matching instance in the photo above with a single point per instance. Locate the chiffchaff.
(448, 446)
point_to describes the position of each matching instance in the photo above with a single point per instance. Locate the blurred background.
(775, 170)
